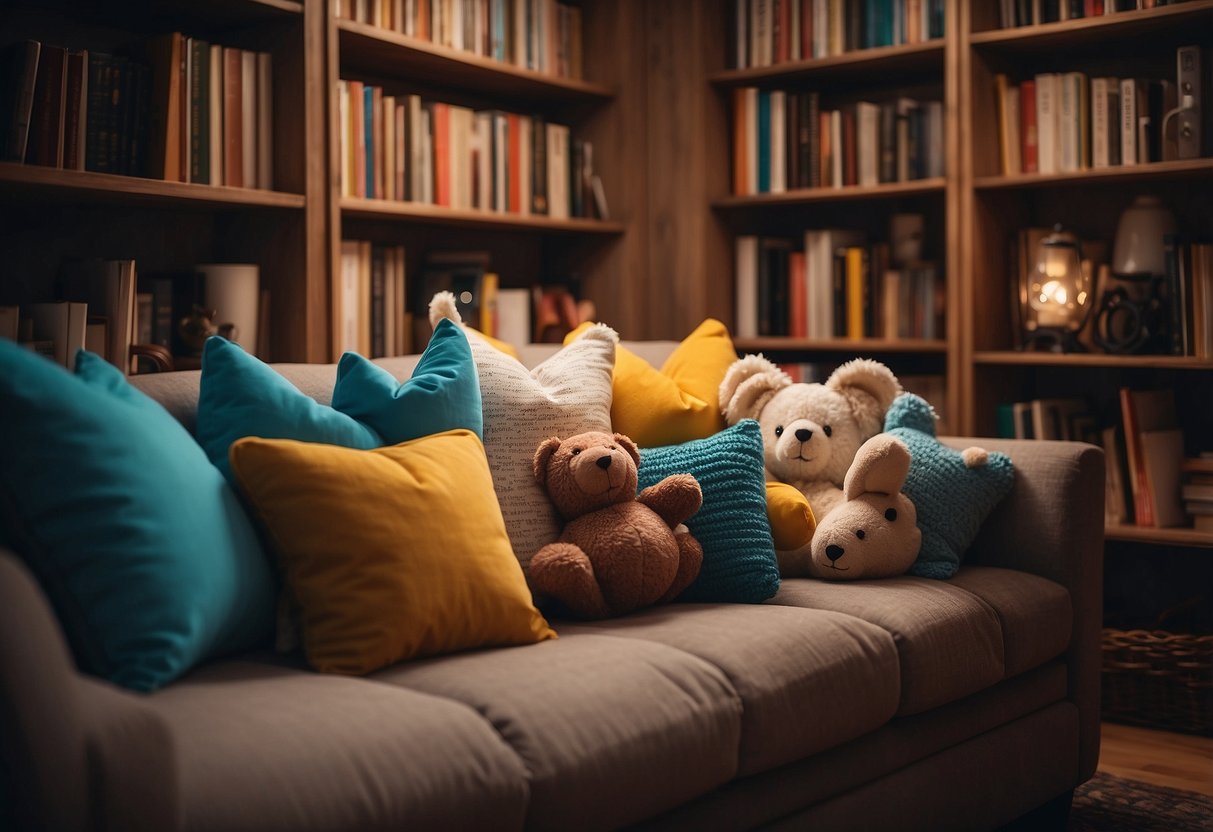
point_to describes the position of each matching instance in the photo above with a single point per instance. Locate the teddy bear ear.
(880, 467)
(869, 388)
(542, 455)
(628, 445)
(748, 385)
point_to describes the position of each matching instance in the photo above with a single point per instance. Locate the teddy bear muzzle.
(596, 471)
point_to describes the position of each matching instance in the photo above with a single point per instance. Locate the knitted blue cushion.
(739, 562)
(952, 499)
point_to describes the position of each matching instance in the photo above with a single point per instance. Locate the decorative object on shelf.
(1132, 315)
(1056, 294)
(195, 328)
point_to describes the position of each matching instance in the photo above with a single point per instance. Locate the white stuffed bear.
(810, 432)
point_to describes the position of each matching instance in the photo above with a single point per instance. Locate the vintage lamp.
(1056, 294)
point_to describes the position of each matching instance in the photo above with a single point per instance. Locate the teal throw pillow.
(242, 396)
(144, 550)
(739, 563)
(952, 491)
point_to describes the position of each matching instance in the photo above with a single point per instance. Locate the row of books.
(931, 386)
(372, 303)
(1065, 122)
(1196, 489)
(831, 285)
(541, 35)
(184, 110)
(784, 140)
(768, 32)
(1034, 12)
(408, 148)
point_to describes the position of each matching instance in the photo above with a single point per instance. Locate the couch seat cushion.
(265, 747)
(808, 679)
(611, 730)
(949, 641)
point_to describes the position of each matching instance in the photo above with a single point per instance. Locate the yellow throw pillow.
(679, 402)
(391, 553)
(790, 515)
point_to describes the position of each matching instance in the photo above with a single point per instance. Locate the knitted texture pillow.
(952, 490)
(739, 562)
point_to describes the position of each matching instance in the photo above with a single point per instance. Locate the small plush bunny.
(874, 533)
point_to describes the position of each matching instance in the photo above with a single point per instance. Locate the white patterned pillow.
(567, 394)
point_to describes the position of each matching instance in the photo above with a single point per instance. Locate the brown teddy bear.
(620, 550)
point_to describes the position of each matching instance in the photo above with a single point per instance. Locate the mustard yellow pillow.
(678, 402)
(391, 553)
(790, 515)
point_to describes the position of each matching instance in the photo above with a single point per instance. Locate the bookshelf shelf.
(860, 65)
(1085, 30)
(1047, 360)
(806, 196)
(372, 49)
(1159, 536)
(1116, 175)
(72, 185)
(378, 209)
(843, 345)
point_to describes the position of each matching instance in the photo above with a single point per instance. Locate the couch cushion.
(808, 679)
(264, 747)
(1035, 613)
(949, 641)
(612, 730)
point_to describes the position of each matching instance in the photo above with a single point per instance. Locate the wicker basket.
(1158, 679)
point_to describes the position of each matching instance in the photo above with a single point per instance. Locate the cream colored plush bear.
(810, 432)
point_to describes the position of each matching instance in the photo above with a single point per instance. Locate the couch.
(903, 703)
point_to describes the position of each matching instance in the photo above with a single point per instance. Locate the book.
(17, 101)
(164, 130)
(1008, 125)
(745, 281)
(1048, 109)
(1030, 149)
(233, 118)
(265, 121)
(1118, 504)
(1143, 411)
(45, 146)
(248, 119)
(1162, 451)
(514, 316)
(62, 323)
(214, 115)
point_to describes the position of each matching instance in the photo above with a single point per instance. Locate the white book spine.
(1099, 122)
(1128, 122)
(1068, 124)
(746, 286)
(1046, 122)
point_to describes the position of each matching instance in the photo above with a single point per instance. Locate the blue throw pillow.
(951, 491)
(241, 396)
(144, 550)
(739, 562)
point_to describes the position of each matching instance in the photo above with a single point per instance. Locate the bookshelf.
(53, 215)
(996, 204)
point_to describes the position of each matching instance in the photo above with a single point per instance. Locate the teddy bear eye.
(614, 448)
(828, 432)
(859, 533)
(576, 451)
(779, 430)
(890, 514)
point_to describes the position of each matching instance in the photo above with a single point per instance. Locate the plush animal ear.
(880, 467)
(748, 385)
(542, 456)
(869, 388)
(442, 305)
(628, 445)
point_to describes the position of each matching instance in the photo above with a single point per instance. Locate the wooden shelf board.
(132, 190)
(1114, 175)
(379, 209)
(1153, 535)
(836, 345)
(390, 53)
(1079, 359)
(1086, 29)
(883, 61)
(802, 196)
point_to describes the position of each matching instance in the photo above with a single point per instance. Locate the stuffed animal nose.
(804, 434)
(603, 462)
(834, 552)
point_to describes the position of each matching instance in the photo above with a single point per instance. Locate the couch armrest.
(75, 753)
(1052, 525)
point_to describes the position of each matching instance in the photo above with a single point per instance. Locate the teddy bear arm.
(690, 559)
(675, 499)
(564, 572)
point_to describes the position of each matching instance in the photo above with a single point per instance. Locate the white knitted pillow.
(570, 393)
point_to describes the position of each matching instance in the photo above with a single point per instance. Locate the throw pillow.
(567, 394)
(739, 562)
(143, 549)
(952, 491)
(393, 553)
(241, 396)
(678, 402)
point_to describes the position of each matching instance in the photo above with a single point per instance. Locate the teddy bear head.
(810, 432)
(874, 533)
(587, 472)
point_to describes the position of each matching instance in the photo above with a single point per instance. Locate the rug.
(1107, 803)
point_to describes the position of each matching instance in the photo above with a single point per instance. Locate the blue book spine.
(368, 111)
(764, 141)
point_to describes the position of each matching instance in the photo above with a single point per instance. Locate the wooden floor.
(1180, 761)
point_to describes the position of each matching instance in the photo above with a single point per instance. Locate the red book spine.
(515, 165)
(1030, 154)
(358, 116)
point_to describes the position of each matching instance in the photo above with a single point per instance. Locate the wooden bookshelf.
(1141, 175)
(355, 208)
(918, 346)
(859, 66)
(807, 196)
(1181, 537)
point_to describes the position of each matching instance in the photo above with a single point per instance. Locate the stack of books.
(1197, 490)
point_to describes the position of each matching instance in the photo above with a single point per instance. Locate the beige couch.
(897, 704)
